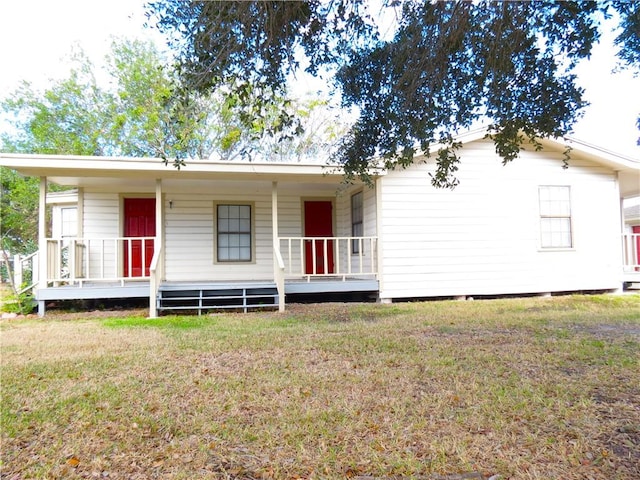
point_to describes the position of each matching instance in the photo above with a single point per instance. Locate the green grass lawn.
(538, 388)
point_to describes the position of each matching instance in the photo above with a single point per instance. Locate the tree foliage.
(447, 66)
(18, 212)
(143, 110)
(135, 114)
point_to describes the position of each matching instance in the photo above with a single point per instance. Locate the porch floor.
(88, 291)
(140, 289)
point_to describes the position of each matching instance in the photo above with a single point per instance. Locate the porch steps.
(213, 297)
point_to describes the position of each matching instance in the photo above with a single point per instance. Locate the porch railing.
(631, 252)
(21, 271)
(155, 276)
(340, 257)
(116, 259)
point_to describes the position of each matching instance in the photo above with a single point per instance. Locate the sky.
(36, 35)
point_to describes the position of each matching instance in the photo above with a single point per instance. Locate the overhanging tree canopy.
(143, 111)
(447, 66)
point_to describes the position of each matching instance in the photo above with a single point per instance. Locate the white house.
(632, 219)
(230, 235)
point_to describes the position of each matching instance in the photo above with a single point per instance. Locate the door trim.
(121, 222)
(331, 200)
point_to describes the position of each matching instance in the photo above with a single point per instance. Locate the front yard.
(533, 388)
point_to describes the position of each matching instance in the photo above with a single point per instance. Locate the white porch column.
(380, 245)
(278, 273)
(80, 207)
(42, 242)
(621, 229)
(156, 274)
(159, 222)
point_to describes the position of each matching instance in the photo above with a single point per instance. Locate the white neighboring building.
(247, 235)
(632, 219)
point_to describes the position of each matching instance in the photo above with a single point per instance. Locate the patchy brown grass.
(522, 388)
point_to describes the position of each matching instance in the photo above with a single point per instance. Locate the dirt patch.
(610, 331)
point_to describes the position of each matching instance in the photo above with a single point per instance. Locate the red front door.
(318, 222)
(139, 221)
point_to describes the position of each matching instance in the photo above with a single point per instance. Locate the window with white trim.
(233, 230)
(555, 216)
(69, 221)
(357, 224)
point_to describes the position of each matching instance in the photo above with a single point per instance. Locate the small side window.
(555, 217)
(357, 226)
(69, 219)
(233, 230)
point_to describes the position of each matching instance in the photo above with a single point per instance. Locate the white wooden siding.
(483, 238)
(189, 232)
(101, 219)
(343, 225)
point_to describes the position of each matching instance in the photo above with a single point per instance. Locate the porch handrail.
(94, 259)
(21, 270)
(278, 254)
(278, 273)
(353, 256)
(22, 265)
(154, 280)
(631, 252)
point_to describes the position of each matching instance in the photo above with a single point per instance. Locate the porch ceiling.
(247, 184)
(138, 173)
(629, 183)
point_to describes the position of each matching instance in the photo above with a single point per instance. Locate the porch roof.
(75, 170)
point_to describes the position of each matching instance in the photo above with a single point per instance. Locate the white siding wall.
(189, 232)
(189, 227)
(101, 219)
(189, 238)
(483, 237)
(343, 226)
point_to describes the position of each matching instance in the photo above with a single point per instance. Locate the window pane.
(357, 228)
(555, 232)
(554, 201)
(244, 253)
(555, 216)
(356, 208)
(69, 221)
(234, 233)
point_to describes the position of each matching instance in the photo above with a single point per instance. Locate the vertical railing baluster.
(302, 252)
(325, 259)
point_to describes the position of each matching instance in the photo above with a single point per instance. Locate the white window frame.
(240, 231)
(65, 222)
(357, 221)
(556, 219)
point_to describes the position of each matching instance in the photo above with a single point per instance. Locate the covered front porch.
(193, 250)
(90, 268)
(631, 259)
